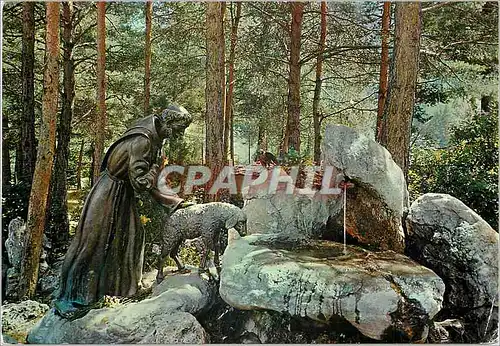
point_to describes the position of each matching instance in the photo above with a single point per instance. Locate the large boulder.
(293, 213)
(19, 318)
(291, 216)
(451, 239)
(379, 198)
(380, 294)
(165, 318)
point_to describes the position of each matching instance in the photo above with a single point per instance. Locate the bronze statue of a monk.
(106, 255)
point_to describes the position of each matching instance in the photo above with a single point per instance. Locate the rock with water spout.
(451, 239)
(376, 203)
(381, 294)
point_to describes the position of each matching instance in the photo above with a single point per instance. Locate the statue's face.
(171, 130)
(177, 129)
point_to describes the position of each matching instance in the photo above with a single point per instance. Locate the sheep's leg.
(203, 257)
(161, 262)
(175, 257)
(216, 241)
(165, 250)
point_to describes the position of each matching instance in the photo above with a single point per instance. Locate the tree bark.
(223, 47)
(6, 171)
(28, 140)
(262, 135)
(214, 153)
(58, 223)
(43, 168)
(228, 129)
(147, 55)
(79, 168)
(402, 84)
(319, 81)
(18, 164)
(101, 121)
(293, 121)
(384, 70)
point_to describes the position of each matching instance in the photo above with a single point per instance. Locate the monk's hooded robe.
(106, 255)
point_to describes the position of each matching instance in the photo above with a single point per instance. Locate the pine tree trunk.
(293, 123)
(319, 81)
(18, 164)
(402, 84)
(101, 121)
(79, 168)
(6, 171)
(225, 141)
(28, 140)
(384, 70)
(214, 154)
(147, 54)
(228, 128)
(262, 135)
(43, 168)
(57, 222)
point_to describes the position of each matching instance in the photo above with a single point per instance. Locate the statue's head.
(173, 121)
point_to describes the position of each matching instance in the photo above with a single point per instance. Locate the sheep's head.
(238, 221)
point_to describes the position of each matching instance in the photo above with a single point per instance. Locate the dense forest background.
(279, 73)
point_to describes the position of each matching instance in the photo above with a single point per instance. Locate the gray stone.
(360, 157)
(375, 292)
(19, 318)
(12, 284)
(178, 328)
(8, 340)
(379, 198)
(294, 216)
(448, 237)
(15, 242)
(48, 281)
(163, 318)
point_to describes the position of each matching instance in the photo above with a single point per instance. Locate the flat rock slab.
(378, 293)
(165, 318)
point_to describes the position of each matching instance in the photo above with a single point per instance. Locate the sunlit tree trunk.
(28, 140)
(293, 122)
(402, 83)
(228, 128)
(317, 88)
(101, 120)
(57, 222)
(384, 70)
(214, 121)
(147, 55)
(43, 168)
